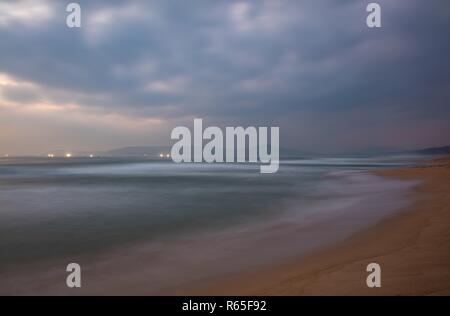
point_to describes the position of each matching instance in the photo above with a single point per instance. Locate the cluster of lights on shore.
(69, 155)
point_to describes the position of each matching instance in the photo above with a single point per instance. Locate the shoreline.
(155, 269)
(338, 266)
(412, 248)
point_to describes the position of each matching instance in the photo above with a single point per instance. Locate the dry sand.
(413, 250)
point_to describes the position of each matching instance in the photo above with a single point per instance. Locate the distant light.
(91, 156)
(68, 155)
(167, 156)
(161, 155)
(50, 155)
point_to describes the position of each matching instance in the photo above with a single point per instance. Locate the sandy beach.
(412, 248)
(401, 225)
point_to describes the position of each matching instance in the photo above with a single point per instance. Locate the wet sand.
(412, 248)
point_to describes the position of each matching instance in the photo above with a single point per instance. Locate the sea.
(157, 226)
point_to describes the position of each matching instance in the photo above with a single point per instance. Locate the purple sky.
(137, 69)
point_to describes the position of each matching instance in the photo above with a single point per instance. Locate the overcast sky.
(137, 69)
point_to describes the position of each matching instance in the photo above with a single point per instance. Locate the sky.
(137, 69)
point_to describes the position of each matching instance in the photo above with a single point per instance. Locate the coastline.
(412, 248)
(411, 244)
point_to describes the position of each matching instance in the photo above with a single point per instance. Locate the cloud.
(241, 62)
(25, 12)
(103, 21)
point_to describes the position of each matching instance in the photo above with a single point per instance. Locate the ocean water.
(179, 222)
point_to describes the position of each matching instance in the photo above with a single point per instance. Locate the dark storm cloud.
(236, 59)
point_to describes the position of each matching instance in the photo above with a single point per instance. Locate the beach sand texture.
(412, 248)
